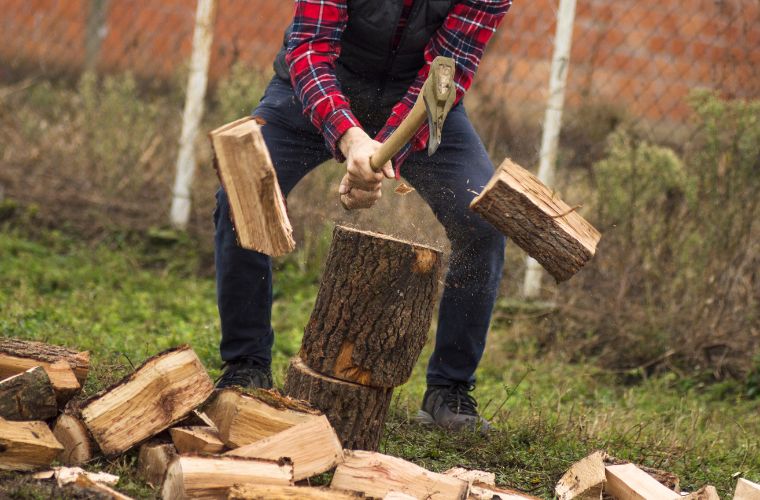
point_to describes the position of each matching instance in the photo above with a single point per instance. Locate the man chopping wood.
(348, 74)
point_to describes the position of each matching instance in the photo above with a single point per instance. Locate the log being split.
(547, 228)
(312, 447)
(28, 396)
(371, 317)
(190, 476)
(26, 445)
(245, 171)
(376, 475)
(244, 418)
(162, 391)
(66, 368)
(356, 412)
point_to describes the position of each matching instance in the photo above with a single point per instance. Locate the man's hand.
(361, 187)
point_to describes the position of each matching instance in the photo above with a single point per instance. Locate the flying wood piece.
(153, 460)
(356, 412)
(66, 368)
(519, 205)
(244, 418)
(584, 480)
(273, 492)
(28, 396)
(26, 445)
(312, 447)
(78, 446)
(162, 391)
(375, 333)
(628, 482)
(212, 477)
(747, 490)
(257, 206)
(196, 440)
(376, 475)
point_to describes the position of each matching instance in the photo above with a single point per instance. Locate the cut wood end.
(383, 236)
(708, 493)
(426, 260)
(583, 480)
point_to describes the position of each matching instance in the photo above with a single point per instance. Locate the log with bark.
(312, 447)
(66, 368)
(190, 476)
(161, 392)
(245, 170)
(28, 395)
(153, 460)
(78, 445)
(246, 417)
(274, 492)
(519, 205)
(196, 439)
(371, 318)
(356, 412)
(376, 475)
(26, 445)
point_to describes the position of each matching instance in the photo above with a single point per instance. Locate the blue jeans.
(447, 181)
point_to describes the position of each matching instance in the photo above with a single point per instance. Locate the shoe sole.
(424, 418)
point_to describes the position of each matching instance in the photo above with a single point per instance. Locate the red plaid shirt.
(315, 46)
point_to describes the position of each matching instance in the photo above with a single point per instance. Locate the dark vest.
(371, 73)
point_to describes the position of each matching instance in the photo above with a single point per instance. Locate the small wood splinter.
(404, 189)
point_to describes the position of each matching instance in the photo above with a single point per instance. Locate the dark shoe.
(451, 407)
(245, 373)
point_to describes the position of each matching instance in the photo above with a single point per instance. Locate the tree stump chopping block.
(519, 205)
(356, 412)
(373, 310)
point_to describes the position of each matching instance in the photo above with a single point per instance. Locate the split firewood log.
(585, 480)
(246, 417)
(192, 476)
(274, 492)
(747, 490)
(630, 482)
(312, 447)
(161, 392)
(153, 460)
(26, 445)
(196, 440)
(519, 205)
(78, 445)
(28, 395)
(374, 333)
(376, 475)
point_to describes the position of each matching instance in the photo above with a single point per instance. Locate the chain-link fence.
(640, 56)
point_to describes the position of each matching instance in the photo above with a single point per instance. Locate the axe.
(434, 102)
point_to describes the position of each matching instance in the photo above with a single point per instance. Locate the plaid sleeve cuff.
(334, 126)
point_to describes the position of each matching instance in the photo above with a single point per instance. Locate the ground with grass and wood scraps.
(126, 298)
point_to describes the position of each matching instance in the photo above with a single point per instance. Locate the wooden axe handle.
(401, 136)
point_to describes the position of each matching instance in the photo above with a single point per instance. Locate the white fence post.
(203, 36)
(563, 42)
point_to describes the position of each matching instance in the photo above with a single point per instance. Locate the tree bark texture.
(373, 310)
(28, 396)
(356, 412)
(519, 205)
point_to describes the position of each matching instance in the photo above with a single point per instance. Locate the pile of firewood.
(195, 442)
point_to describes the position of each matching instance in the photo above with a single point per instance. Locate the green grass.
(126, 299)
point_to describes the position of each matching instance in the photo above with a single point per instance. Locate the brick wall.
(643, 55)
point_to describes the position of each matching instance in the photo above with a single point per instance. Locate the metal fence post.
(563, 41)
(203, 36)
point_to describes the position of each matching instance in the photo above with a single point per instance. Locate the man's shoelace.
(459, 401)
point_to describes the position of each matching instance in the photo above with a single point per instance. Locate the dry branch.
(376, 475)
(162, 391)
(356, 412)
(28, 396)
(257, 206)
(371, 318)
(518, 204)
(312, 447)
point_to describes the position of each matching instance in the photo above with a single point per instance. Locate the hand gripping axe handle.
(434, 102)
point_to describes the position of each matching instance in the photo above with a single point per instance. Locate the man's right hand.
(361, 187)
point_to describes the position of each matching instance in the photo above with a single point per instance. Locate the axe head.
(438, 93)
